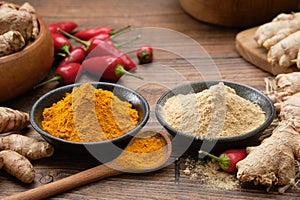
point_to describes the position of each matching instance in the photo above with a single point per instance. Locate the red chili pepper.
(89, 33)
(104, 37)
(102, 48)
(97, 47)
(77, 55)
(229, 158)
(61, 43)
(65, 74)
(68, 72)
(107, 67)
(145, 54)
(129, 64)
(66, 26)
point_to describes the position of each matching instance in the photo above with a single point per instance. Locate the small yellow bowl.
(20, 71)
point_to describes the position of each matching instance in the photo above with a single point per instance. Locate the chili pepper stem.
(55, 78)
(118, 45)
(223, 159)
(145, 55)
(115, 33)
(119, 71)
(66, 48)
(85, 43)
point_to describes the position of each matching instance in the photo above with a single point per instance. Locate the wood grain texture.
(249, 50)
(170, 182)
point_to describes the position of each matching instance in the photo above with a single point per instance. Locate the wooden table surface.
(168, 70)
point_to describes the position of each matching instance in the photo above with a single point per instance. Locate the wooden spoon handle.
(62, 185)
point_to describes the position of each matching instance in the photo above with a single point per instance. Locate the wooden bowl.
(20, 71)
(237, 13)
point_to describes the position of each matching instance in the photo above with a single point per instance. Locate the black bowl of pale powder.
(214, 115)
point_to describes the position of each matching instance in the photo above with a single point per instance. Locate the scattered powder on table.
(210, 173)
(214, 111)
(88, 114)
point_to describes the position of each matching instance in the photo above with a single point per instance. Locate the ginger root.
(12, 120)
(285, 51)
(280, 27)
(17, 165)
(10, 42)
(281, 37)
(1, 163)
(31, 148)
(281, 87)
(30, 9)
(22, 22)
(17, 21)
(273, 161)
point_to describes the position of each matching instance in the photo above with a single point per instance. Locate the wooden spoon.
(81, 178)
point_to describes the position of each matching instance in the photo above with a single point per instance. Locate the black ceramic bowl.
(217, 144)
(102, 150)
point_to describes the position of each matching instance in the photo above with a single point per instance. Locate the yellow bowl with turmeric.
(92, 117)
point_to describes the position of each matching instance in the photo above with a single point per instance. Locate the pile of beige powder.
(217, 111)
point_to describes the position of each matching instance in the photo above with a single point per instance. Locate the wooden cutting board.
(253, 53)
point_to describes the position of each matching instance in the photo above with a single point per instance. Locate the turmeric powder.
(145, 151)
(88, 114)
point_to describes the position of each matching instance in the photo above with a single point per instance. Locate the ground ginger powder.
(88, 114)
(217, 111)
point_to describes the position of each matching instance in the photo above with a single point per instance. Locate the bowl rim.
(243, 136)
(69, 87)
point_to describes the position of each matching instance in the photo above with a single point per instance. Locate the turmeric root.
(10, 42)
(273, 161)
(17, 165)
(12, 120)
(31, 148)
